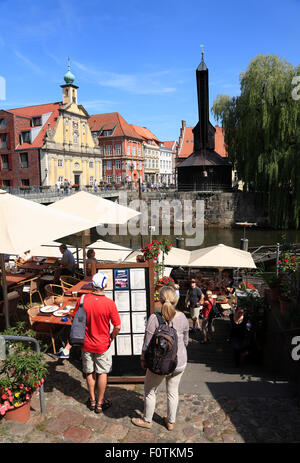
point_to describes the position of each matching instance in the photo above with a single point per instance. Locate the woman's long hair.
(168, 298)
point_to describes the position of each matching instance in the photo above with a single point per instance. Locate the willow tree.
(262, 135)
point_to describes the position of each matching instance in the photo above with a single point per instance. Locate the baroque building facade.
(42, 144)
(69, 150)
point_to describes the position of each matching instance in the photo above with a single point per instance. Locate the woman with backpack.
(178, 326)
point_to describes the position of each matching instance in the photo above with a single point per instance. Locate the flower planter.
(21, 413)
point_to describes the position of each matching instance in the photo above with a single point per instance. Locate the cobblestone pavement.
(200, 419)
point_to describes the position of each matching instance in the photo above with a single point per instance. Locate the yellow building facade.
(69, 151)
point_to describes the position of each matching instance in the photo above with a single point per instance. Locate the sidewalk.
(214, 414)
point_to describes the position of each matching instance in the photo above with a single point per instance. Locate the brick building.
(121, 148)
(151, 148)
(185, 144)
(20, 134)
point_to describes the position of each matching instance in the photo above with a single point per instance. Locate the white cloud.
(29, 63)
(145, 84)
(98, 105)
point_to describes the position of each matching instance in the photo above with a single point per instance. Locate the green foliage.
(262, 134)
(22, 372)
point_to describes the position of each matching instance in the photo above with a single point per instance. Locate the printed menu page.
(137, 278)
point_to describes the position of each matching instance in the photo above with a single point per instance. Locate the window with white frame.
(140, 165)
(118, 164)
(133, 150)
(146, 163)
(91, 164)
(108, 150)
(118, 149)
(91, 181)
(60, 162)
(139, 151)
(118, 179)
(128, 149)
(108, 165)
(109, 178)
(60, 179)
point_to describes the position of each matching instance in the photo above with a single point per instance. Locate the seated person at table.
(226, 279)
(26, 257)
(90, 258)
(67, 264)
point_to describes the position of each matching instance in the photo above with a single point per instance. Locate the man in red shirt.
(96, 358)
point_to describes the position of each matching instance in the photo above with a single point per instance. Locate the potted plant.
(22, 373)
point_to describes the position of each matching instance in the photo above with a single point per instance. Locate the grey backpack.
(77, 333)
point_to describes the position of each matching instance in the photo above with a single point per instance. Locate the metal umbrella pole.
(4, 288)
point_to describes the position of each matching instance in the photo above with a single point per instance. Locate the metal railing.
(37, 347)
(207, 188)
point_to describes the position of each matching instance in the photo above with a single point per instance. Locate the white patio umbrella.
(220, 257)
(26, 224)
(131, 258)
(50, 249)
(110, 252)
(95, 209)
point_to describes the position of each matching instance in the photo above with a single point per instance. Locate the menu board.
(131, 287)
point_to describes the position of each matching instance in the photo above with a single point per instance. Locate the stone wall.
(221, 209)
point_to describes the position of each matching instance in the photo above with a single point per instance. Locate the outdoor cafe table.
(52, 321)
(38, 266)
(14, 279)
(82, 287)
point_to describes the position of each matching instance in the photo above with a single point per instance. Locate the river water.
(213, 236)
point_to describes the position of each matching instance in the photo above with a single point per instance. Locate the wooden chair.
(42, 330)
(32, 287)
(13, 299)
(67, 282)
(55, 292)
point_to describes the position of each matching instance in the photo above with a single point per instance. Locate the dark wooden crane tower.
(204, 169)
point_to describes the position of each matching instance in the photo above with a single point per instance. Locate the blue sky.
(138, 58)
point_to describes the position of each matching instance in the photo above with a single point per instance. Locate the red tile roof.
(33, 111)
(169, 144)
(145, 133)
(110, 120)
(187, 145)
(220, 147)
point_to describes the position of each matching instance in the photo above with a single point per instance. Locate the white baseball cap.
(99, 280)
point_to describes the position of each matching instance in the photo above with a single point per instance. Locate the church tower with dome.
(69, 150)
(69, 89)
